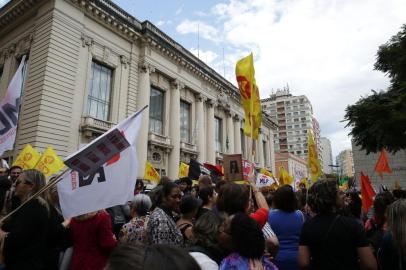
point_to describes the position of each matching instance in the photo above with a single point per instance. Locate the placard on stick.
(233, 169)
(89, 159)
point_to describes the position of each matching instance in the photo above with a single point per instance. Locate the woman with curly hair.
(331, 241)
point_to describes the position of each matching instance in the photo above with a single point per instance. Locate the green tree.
(379, 120)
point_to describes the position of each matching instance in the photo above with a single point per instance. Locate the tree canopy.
(379, 120)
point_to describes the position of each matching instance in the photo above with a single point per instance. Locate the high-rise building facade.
(294, 115)
(345, 163)
(327, 155)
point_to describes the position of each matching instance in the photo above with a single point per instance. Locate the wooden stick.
(39, 192)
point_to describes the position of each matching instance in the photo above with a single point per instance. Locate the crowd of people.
(208, 226)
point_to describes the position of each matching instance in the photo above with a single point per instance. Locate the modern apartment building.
(294, 116)
(327, 155)
(345, 163)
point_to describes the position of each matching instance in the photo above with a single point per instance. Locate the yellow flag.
(313, 161)
(183, 170)
(249, 92)
(265, 172)
(151, 174)
(304, 182)
(28, 158)
(49, 163)
(284, 177)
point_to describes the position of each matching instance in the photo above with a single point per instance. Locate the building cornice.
(14, 10)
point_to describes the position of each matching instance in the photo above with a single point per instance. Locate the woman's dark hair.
(247, 237)
(154, 257)
(189, 205)
(323, 196)
(285, 199)
(381, 202)
(205, 193)
(206, 229)
(164, 191)
(233, 198)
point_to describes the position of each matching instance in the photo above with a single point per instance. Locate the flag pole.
(39, 192)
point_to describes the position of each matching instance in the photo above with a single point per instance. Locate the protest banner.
(28, 158)
(233, 168)
(264, 180)
(9, 109)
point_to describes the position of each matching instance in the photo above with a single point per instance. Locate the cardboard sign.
(247, 168)
(233, 169)
(264, 180)
(89, 159)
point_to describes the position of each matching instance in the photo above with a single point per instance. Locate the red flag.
(367, 192)
(383, 165)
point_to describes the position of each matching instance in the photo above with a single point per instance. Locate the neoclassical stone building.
(91, 64)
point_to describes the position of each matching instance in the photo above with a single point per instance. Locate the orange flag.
(383, 165)
(367, 193)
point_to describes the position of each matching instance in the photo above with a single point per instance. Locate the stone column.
(237, 135)
(144, 92)
(261, 149)
(272, 150)
(201, 146)
(210, 139)
(174, 131)
(230, 133)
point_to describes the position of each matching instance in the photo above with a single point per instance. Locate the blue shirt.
(287, 227)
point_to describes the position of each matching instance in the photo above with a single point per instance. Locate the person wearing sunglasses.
(25, 232)
(161, 228)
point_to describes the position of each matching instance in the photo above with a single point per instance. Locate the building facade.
(327, 155)
(366, 164)
(91, 64)
(345, 163)
(294, 116)
(296, 166)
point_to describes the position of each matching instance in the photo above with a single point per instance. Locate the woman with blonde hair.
(25, 232)
(392, 254)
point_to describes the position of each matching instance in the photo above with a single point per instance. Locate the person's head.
(189, 206)
(247, 237)
(170, 196)
(51, 194)
(224, 235)
(139, 185)
(342, 199)
(381, 202)
(285, 199)
(233, 198)
(3, 172)
(153, 257)
(205, 181)
(396, 218)
(207, 228)
(15, 172)
(164, 179)
(219, 185)
(195, 191)
(323, 197)
(140, 205)
(28, 183)
(183, 184)
(208, 196)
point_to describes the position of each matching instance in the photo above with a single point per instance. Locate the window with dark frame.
(156, 111)
(184, 121)
(98, 101)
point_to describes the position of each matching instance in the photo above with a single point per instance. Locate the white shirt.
(204, 261)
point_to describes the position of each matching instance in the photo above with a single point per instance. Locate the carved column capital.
(200, 97)
(87, 41)
(146, 67)
(176, 84)
(124, 61)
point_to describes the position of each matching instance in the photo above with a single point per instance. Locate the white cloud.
(206, 56)
(323, 49)
(193, 27)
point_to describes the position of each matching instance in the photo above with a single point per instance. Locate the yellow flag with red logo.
(313, 161)
(151, 174)
(265, 172)
(249, 92)
(183, 170)
(28, 158)
(284, 177)
(49, 163)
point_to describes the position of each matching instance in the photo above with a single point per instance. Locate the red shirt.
(261, 216)
(93, 241)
